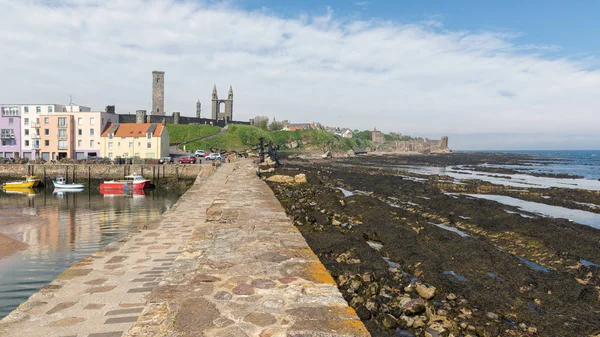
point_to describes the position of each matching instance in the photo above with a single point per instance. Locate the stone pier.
(224, 261)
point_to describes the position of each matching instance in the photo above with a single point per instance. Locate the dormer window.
(149, 135)
(110, 135)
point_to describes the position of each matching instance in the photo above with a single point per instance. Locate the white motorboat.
(60, 183)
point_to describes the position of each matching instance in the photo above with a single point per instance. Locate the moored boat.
(61, 183)
(134, 182)
(29, 182)
(19, 190)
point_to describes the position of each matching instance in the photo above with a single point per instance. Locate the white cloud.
(412, 78)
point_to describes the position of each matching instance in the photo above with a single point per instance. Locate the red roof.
(132, 130)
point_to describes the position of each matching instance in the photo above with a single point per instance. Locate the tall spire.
(230, 93)
(214, 93)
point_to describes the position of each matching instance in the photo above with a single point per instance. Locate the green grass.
(243, 137)
(181, 133)
(237, 138)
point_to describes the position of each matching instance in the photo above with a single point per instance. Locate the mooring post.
(74, 175)
(153, 173)
(44, 175)
(163, 172)
(176, 172)
(124, 171)
(89, 177)
(67, 173)
(142, 171)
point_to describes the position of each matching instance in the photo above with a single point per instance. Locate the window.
(26, 132)
(26, 109)
(91, 143)
(38, 109)
(37, 120)
(62, 122)
(125, 155)
(50, 109)
(26, 121)
(91, 132)
(139, 144)
(149, 135)
(47, 132)
(62, 133)
(91, 120)
(136, 155)
(79, 121)
(79, 143)
(7, 133)
(47, 142)
(131, 145)
(110, 135)
(110, 145)
(10, 111)
(62, 144)
(123, 138)
(11, 121)
(110, 155)
(46, 120)
(26, 143)
(158, 80)
(118, 143)
(80, 132)
(149, 145)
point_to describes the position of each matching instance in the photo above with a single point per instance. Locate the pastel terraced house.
(143, 140)
(10, 132)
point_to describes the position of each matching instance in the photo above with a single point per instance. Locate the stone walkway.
(224, 261)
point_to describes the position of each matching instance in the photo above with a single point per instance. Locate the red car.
(187, 160)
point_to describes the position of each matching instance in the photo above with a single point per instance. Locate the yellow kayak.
(30, 181)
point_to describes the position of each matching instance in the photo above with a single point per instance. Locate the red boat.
(134, 182)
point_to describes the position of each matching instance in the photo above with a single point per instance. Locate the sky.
(490, 75)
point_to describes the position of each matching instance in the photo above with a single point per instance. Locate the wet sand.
(9, 245)
(498, 271)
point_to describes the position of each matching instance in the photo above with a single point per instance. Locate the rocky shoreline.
(414, 261)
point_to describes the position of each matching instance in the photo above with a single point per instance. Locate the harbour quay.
(225, 260)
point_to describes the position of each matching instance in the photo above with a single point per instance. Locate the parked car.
(165, 160)
(215, 156)
(200, 153)
(187, 160)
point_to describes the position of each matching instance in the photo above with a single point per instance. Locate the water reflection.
(62, 228)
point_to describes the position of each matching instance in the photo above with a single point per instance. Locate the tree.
(275, 126)
(264, 123)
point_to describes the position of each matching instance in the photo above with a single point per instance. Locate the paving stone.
(94, 306)
(139, 290)
(116, 320)
(65, 322)
(223, 296)
(124, 311)
(103, 289)
(263, 284)
(60, 307)
(107, 334)
(144, 279)
(260, 318)
(131, 305)
(204, 278)
(50, 287)
(117, 259)
(195, 315)
(150, 284)
(96, 282)
(243, 289)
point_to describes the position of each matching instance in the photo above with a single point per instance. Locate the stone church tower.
(216, 113)
(198, 109)
(158, 93)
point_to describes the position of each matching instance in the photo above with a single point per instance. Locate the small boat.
(61, 183)
(19, 190)
(29, 182)
(134, 182)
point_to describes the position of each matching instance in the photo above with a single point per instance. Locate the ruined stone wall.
(418, 145)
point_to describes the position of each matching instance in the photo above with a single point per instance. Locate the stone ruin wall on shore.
(417, 145)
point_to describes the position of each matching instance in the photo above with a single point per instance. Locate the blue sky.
(569, 26)
(491, 75)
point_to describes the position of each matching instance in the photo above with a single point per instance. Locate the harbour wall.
(100, 171)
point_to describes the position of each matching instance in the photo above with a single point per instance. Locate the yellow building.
(145, 140)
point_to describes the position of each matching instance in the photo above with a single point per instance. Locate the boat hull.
(22, 184)
(124, 186)
(69, 186)
(19, 190)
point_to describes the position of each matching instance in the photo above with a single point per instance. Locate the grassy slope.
(181, 133)
(243, 137)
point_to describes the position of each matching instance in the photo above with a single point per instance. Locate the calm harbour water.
(61, 229)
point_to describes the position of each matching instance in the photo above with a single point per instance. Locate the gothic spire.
(230, 92)
(214, 93)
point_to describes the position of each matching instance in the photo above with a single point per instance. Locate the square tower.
(158, 93)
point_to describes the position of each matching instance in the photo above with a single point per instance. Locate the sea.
(584, 163)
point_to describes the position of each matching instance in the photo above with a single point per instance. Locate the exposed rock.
(451, 297)
(425, 292)
(436, 330)
(281, 179)
(390, 321)
(326, 155)
(492, 315)
(300, 178)
(414, 307)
